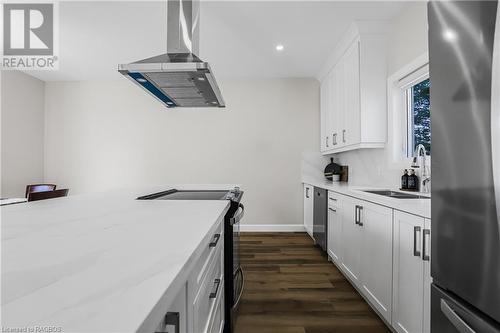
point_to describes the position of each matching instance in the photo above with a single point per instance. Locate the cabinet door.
(408, 273)
(351, 132)
(336, 105)
(324, 114)
(175, 319)
(351, 241)
(334, 242)
(376, 256)
(308, 209)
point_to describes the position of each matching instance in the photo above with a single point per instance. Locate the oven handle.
(237, 216)
(240, 271)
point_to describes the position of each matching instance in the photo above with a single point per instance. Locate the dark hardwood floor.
(290, 287)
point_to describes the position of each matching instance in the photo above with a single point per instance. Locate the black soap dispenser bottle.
(413, 181)
(404, 180)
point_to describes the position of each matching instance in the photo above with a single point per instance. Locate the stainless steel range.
(233, 288)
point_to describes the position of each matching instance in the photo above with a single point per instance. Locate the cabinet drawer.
(333, 200)
(201, 268)
(218, 318)
(205, 301)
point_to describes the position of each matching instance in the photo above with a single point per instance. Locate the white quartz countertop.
(100, 262)
(420, 207)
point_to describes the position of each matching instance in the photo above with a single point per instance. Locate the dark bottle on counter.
(404, 180)
(413, 181)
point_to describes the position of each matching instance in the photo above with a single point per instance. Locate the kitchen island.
(102, 262)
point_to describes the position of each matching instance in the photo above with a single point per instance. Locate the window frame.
(397, 104)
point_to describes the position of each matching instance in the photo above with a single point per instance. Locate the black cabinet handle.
(333, 210)
(213, 294)
(356, 214)
(307, 192)
(173, 319)
(416, 230)
(215, 241)
(425, 255)
(360, 210)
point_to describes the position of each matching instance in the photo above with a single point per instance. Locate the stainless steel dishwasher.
(320, 217)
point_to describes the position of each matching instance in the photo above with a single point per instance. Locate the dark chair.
(35, 196)
(39, 188)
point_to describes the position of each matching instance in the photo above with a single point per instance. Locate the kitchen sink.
(397, 195)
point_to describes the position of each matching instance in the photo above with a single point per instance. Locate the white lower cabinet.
(199, 305)
(411, 273)
(385, 254)
(334, 241)
(308, 208)
(175, 320)
(351, 240)
(376, 256)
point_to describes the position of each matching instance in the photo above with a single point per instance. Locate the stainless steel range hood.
(178, 78)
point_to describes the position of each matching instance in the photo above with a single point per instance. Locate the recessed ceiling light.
(141, 80)
(201, 78)
(279, 47)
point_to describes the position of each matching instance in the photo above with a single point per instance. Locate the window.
(418, 114)
(408, 117)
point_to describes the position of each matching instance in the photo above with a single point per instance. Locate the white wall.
(22, 124)
(407, 41)
(104, 135)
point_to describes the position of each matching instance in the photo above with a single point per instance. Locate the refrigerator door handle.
(425, 252)
(495, 115)
(455, 319)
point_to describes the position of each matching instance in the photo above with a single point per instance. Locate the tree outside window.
(419, 116)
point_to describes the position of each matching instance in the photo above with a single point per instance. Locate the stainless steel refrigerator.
(464, 60)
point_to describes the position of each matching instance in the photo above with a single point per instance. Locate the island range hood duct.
(178, 78)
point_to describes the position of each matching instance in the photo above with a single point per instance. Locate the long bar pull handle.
(416, 230)
(360, 217)
(454, 318)
(425, 253)
(356, 214)
(215, 241)
(326, 141)
(343, 136)
(307, 192)
(213, 294)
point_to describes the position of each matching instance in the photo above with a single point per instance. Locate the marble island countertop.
(420, 207)
(100, 262)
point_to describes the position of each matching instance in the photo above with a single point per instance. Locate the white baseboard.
(272, 228)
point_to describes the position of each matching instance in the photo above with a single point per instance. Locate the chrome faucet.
(425, 176)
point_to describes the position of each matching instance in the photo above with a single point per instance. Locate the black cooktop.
(187, 195)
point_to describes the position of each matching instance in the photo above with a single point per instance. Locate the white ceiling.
(238, 38)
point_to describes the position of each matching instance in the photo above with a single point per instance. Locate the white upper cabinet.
(353, 91)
